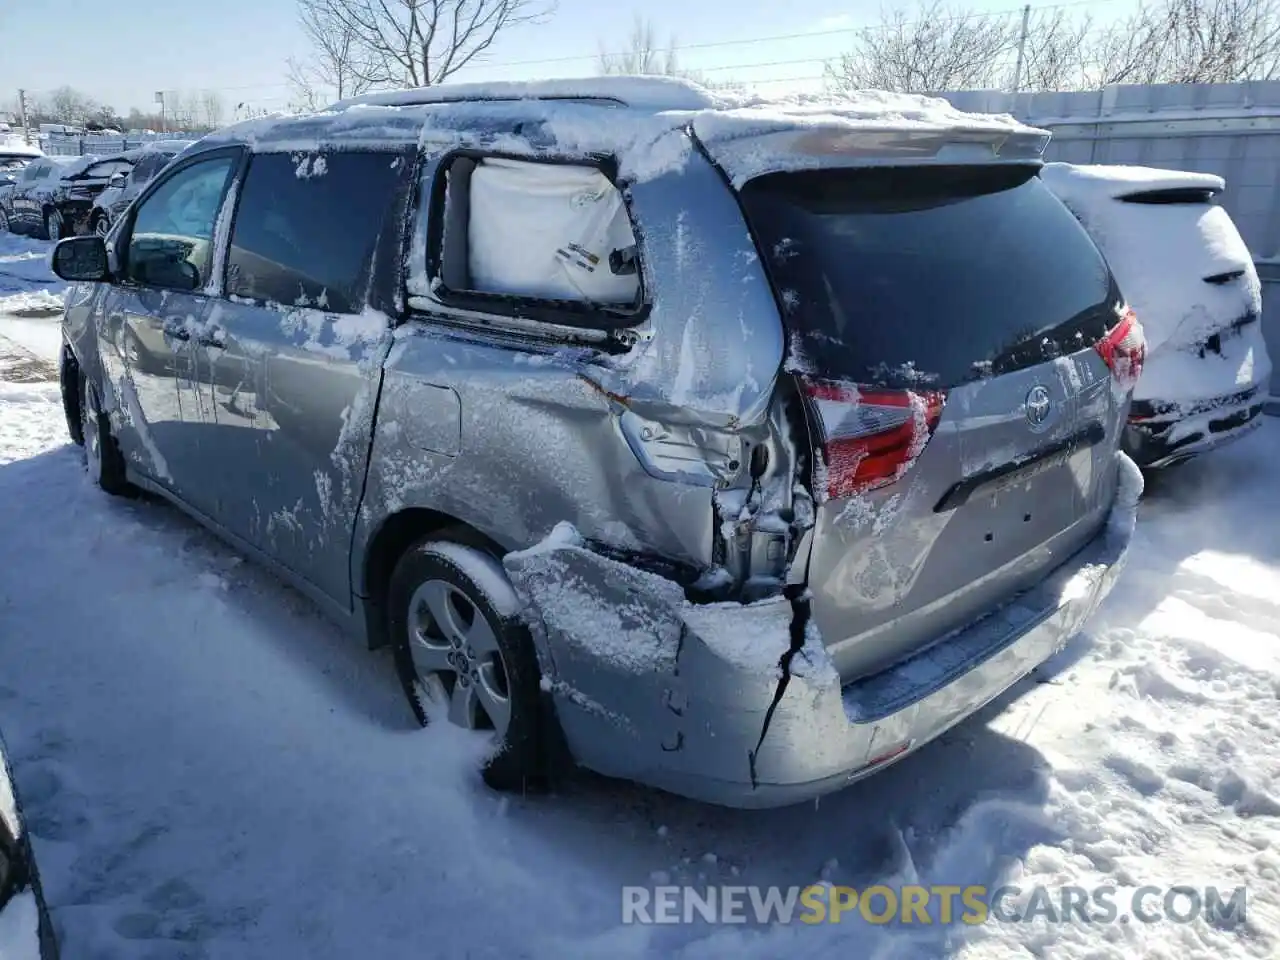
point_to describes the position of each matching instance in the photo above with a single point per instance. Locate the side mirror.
(118, 180)
(81, 259)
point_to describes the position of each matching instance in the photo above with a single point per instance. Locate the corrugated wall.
(1232, 130)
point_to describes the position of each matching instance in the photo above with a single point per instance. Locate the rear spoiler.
(798, 147)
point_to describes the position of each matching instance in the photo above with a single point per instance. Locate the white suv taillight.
(1124, 349)
(871, 436)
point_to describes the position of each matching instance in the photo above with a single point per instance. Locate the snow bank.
(1146, 755)
(20, 928)
(27, 284)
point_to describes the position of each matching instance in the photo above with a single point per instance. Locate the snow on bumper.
(695, 699)
(1157, 436)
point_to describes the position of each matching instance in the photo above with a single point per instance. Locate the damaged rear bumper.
(695, 700)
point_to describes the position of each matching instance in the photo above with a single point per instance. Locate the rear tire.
(462, 650)
(102, 458)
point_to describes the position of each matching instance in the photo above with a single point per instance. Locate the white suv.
(1188, 275)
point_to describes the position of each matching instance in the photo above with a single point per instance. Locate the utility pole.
(1022, 48)
(160, 100)
(22, 110)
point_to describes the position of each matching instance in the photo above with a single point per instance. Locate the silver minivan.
(735, 448)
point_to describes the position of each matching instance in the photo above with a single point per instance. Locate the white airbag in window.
(546, 231)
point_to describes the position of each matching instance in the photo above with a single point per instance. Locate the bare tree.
(643, 53)
(934, 48)
(332, 69)
(212, 109)
(68, 105)
(182, 108)
(931, 48)
(1055, 51)
(1191, 41)
(418, 43)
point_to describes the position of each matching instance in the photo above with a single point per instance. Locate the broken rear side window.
(928, 276)
(536, 239)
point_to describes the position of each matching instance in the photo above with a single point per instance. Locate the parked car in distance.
(640, 439)
(25, 930)
(125, 185)
(54, 196)
(1187, 273)
(14, 158)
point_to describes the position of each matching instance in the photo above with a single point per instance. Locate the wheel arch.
(394, 535)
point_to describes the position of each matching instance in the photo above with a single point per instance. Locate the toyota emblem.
(1038, 406)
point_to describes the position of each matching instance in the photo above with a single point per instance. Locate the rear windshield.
(928, 276)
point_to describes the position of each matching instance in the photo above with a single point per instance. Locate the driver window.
(171, 245)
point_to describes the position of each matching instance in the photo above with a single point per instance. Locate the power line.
(801, 36)
(718, 44)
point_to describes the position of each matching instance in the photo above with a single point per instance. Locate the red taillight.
(871, 436)
(1124, 349)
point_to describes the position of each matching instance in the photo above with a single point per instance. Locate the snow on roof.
(165, 146)
(647, 125)
(637, 92)
(862, 108)
(16, 148)
(1081, 185)
(756, 136)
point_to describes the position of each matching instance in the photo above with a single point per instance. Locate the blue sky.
(122, 51)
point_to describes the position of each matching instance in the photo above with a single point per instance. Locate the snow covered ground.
(210, 771)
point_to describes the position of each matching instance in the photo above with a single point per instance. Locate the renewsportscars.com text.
(938, 904)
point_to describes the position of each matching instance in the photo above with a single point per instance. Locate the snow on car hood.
(73, 166)
(1161, 253)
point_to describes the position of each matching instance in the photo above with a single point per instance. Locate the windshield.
(929, 276)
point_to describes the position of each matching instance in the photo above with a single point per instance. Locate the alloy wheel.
(459, 664)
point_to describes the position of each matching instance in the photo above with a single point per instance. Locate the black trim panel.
(1017, 471)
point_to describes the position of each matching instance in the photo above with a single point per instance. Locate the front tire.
(102, 458)
(462, 652)
(55, 227)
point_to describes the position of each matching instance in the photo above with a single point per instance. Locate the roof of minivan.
(565, 116)
(1092, 182)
